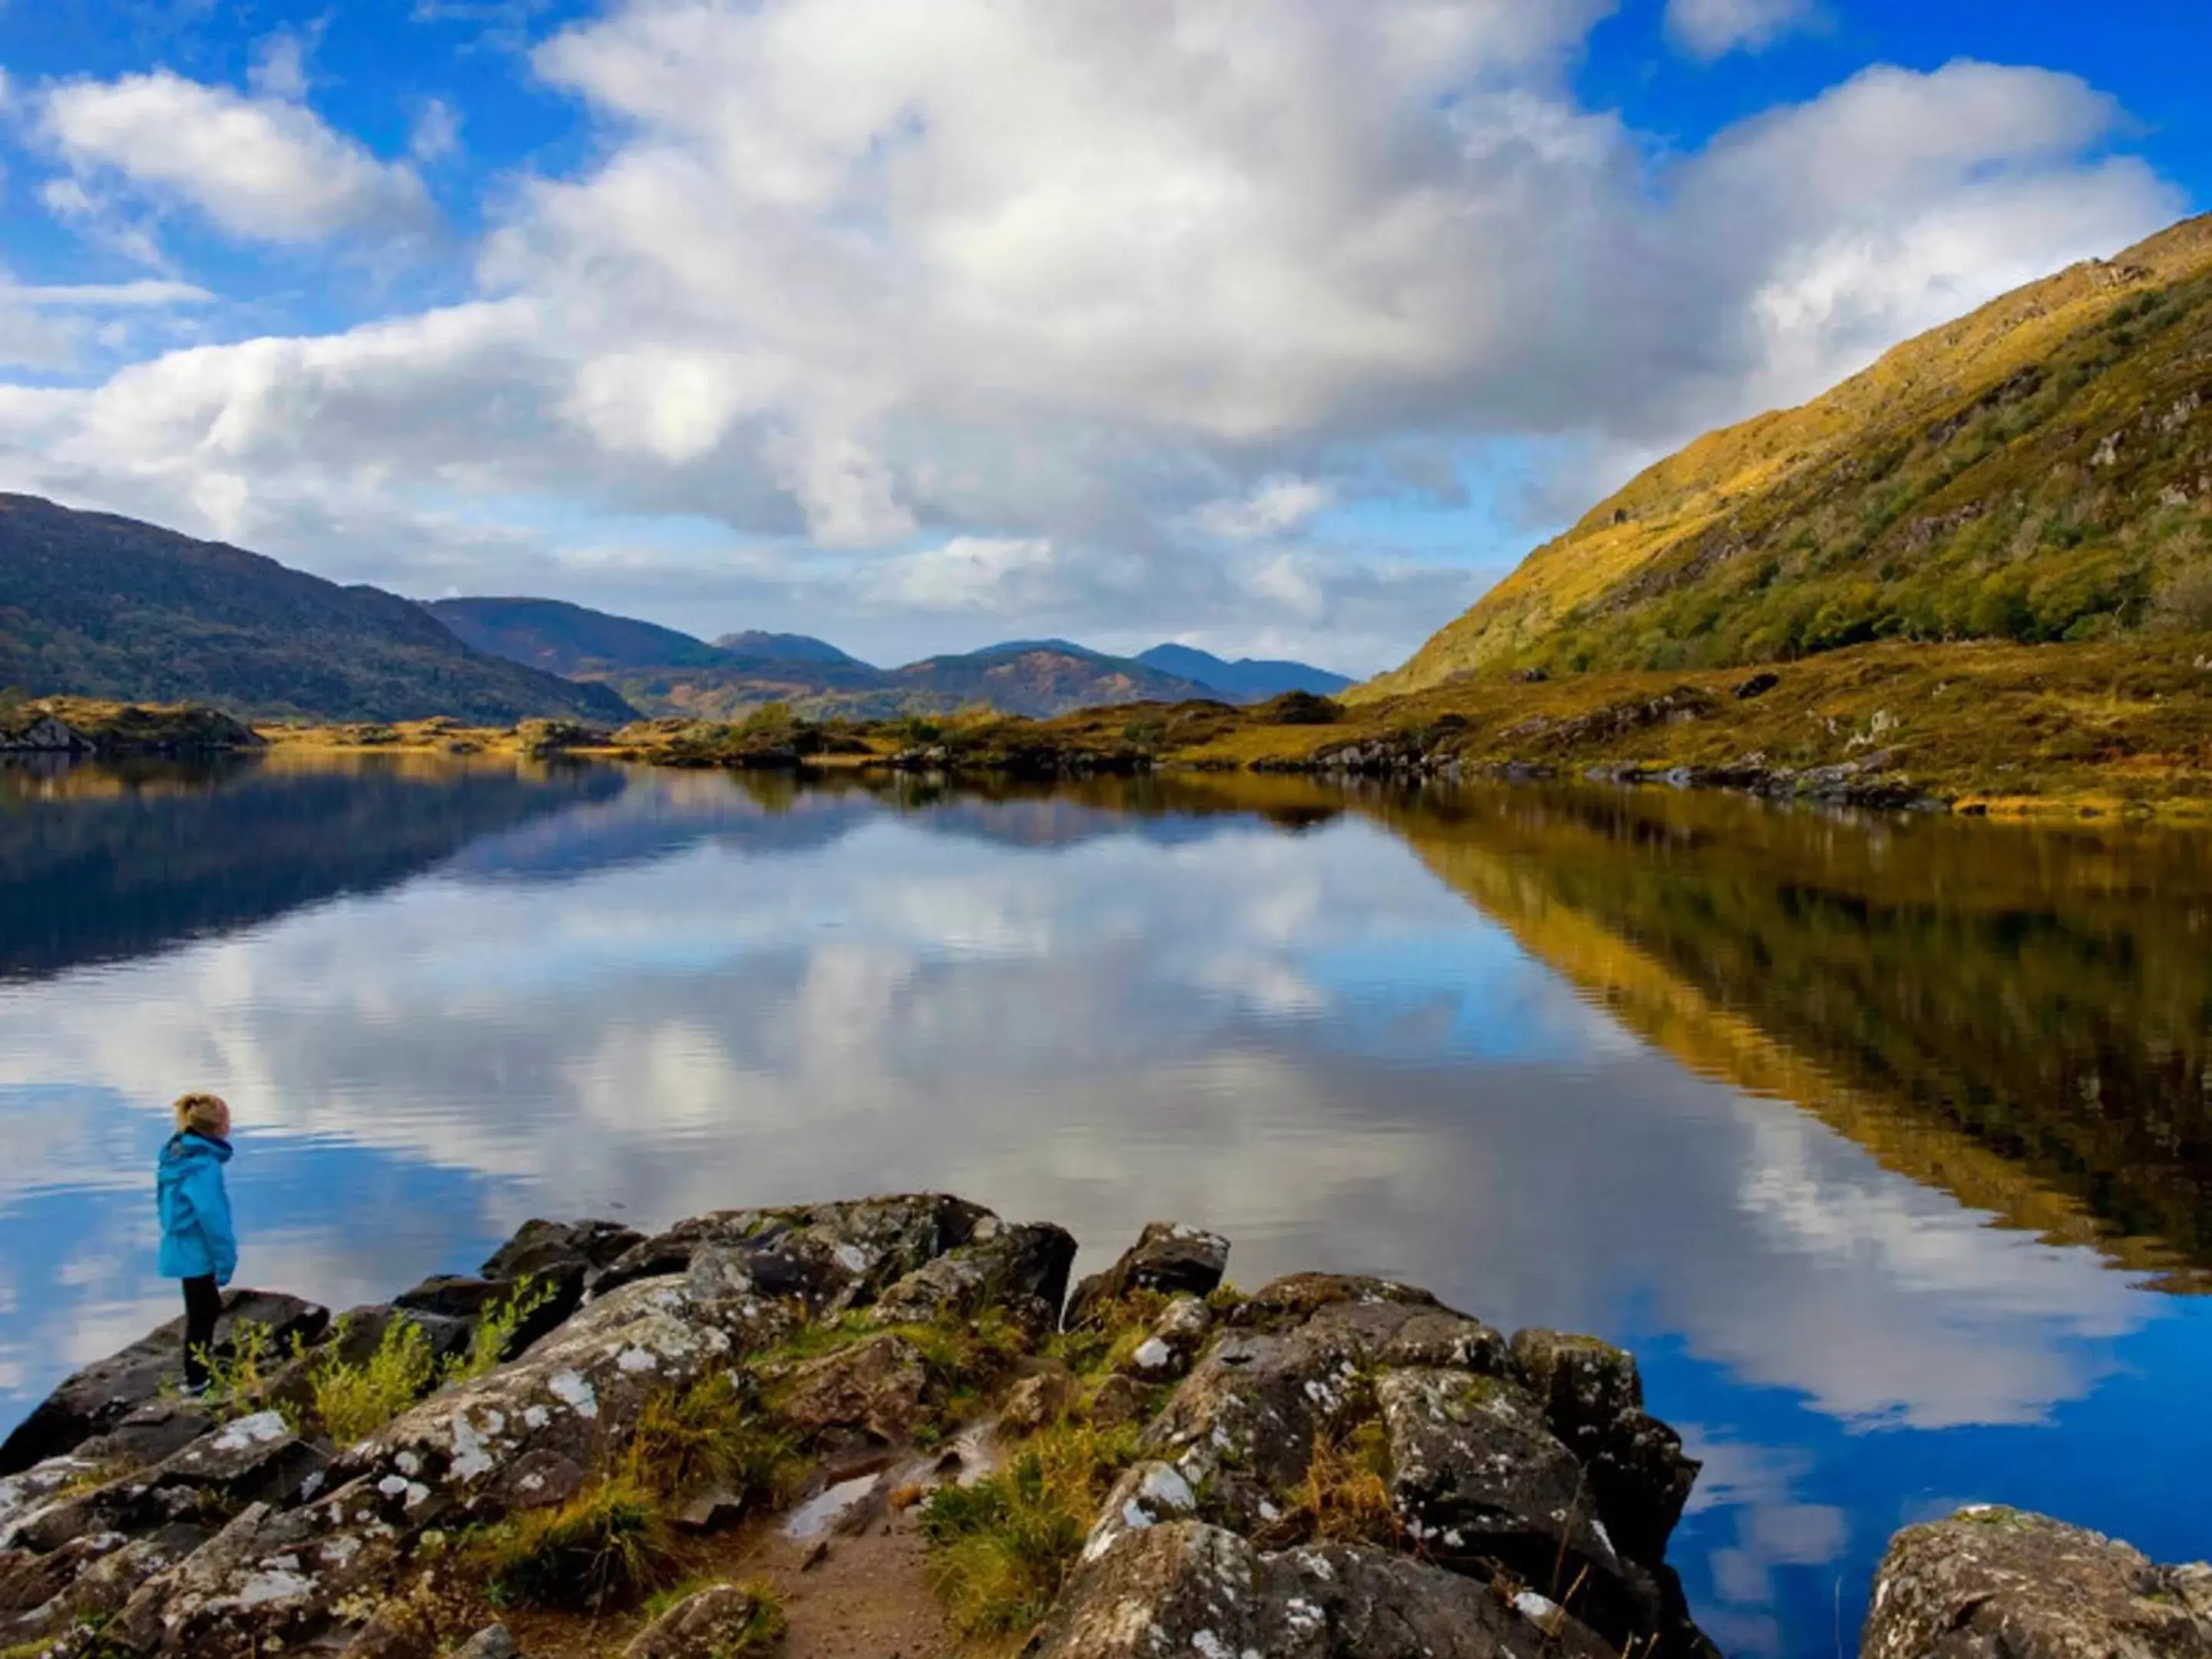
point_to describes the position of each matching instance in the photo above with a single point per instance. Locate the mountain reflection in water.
(1884, 1141)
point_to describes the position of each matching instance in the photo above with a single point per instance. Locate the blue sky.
(918, 327)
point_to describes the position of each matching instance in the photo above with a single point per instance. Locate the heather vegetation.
(2038, 472)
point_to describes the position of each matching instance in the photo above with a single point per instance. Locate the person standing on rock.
(199, 1244)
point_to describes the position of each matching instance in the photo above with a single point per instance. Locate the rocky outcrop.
(1184, 1587)
(1170, 1259)
(1329, 1405)
(1330, 1466)
(101, 1395)
(2001, 1584)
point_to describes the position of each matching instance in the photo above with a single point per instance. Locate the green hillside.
(2040, 470)
(99, 607)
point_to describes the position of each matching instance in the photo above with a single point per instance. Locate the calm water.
(1886, 1143)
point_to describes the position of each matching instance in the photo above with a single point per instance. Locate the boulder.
(551, 1250)
(99, 1397)
(1173, 1343)
(2001, 1584)
(1022, 1267)
(1036, 1402)
(1593, 1398)
(93, 1578)
(255, 1459)
(831, 1256)
(874, 1386)
(493, 1642)
(720, 1618)
(1119, 1400)
(1176, 1259)
(1477, 1477)
(161, 1428)
(1186, 1588)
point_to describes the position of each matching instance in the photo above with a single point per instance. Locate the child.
(197, 1244)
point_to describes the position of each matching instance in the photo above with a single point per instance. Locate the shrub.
(1001, 1549)
(1299, 708)
(495, 1331)
(714, 1433)
(353, 1401)
(603, 1549)
(2183, 603)
(238, 1379)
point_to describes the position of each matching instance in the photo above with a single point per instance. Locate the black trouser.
(203, 1307)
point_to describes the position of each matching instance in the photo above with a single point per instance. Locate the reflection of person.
(197, 1242)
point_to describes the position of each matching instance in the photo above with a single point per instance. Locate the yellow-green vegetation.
(2040, 470)
(494, 1332)
(238, 1375)
(714, 1433)
(1949, 997)
(1001, 1549)
(353, 1401)
(1345, 1494)
(603, 1549)
(2106, 724)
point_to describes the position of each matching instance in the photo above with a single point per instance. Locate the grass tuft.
(715, 1433)
(603, 1549)
(999, 1550)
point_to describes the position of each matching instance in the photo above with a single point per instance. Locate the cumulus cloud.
(263, 167)
(46, 327)
(1713, 28)
(1127, 281)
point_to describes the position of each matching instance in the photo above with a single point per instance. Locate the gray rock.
(2001, 1584)
(1184, 1587)
(874, 1386)
(493, 1642)
(1008, 1266)
(1177, 1260)
(715, 1620)
(98, 1398)
(1174, 1342)
(1592, 1397)
(159, 1428)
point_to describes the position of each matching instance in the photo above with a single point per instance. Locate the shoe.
(193, 1390)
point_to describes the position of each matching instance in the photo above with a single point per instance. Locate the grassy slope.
(98, 606)
(1953, 491)
(2082, 726)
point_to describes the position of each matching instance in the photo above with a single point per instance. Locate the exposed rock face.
(1168, 1258)
(1187, 1588)
(1342, 1467)
(1378, 1382)
(1999, 1584)
(99, 1397)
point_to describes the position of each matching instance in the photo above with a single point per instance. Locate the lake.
(1885, 1142)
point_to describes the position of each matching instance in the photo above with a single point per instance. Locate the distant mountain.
(1039, 679)
(1248, 679)
(567, 639)
(784, 648)
(2040, 470)
(95, 605)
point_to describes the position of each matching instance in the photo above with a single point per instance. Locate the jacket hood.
(185, 1150)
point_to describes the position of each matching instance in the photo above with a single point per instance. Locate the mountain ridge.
(1961, 487)
(98, 606)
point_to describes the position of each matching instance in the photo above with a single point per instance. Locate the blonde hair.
(203, 1114)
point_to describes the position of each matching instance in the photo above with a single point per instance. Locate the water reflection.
(1253, 1004)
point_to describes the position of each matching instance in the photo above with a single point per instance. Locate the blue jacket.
(197, 1237)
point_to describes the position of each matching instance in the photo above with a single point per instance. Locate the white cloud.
(1125, 282)
(46, 327)
(1713, 28)
(261, 167)
(437, 132)
(1272, 507)
(279, 65)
